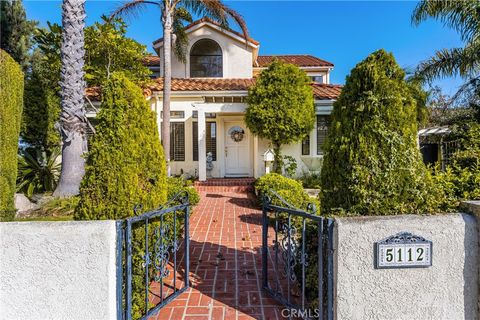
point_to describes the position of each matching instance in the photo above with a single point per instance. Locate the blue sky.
(342, 32)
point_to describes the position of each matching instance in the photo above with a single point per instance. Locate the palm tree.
(464, 17)
(72, 124)
(173, 13)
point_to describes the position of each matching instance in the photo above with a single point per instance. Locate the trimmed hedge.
(125, 165)
(372, 164)
(289, 189)
(11, 106)
(176, 185)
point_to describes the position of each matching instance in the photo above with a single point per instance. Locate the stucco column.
(202, 146)
(159, 118)
(255, 157)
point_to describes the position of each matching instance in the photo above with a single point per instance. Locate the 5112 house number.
(403, 250)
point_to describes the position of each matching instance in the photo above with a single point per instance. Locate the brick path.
(225, 261)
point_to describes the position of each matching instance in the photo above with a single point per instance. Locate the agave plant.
(38, 171)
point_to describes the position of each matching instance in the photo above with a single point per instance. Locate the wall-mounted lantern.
(268, 157)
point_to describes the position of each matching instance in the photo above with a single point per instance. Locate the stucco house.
(208, 104)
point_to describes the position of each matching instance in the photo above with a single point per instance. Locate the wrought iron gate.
(297, 263)
(152, 259)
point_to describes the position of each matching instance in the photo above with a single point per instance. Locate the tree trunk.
(167, 83)
(72, 123)
(278, 162)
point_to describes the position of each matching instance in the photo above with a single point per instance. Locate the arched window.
(206, 60)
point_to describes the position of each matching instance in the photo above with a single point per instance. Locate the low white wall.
(58, 270)
(445, 291)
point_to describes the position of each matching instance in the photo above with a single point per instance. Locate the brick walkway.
(225, 266)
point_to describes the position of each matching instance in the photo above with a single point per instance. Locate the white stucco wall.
(57, 270)
(448, 290)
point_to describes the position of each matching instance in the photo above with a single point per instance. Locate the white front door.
(237, 151)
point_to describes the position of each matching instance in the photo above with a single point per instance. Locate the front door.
(237, 151)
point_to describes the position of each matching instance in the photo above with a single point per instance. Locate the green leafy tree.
(372, 164)
(464, 17)
(16, 31)
(125, 167)
(173, 13)
(125, 164)
(42, 104)
(108, 49)
(11, 105)
(280, 107)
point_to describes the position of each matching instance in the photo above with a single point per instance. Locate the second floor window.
(206, 60)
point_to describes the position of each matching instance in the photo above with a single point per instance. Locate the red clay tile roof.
(326, 91)
(151, 60)
(204, 84)
(205, 19)
(320, 91)
(301, 60)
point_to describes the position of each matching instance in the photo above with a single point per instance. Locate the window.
(206, 60)
(306, 146)
(177, 141)
(175, 114)
(211, 139)
(323, 123)
(208, 115)
(317, 79)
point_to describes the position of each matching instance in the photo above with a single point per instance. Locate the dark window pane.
(177, 141)
(206, 59)
(211, 139)
(306, 146)
(323, 123)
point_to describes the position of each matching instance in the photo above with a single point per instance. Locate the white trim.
(233, 93)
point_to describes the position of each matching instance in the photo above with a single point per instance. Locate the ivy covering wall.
(11, 105)
(372, 164)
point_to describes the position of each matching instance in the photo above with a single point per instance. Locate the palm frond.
(181, 16)
(460, 15)
(448, 62)
(132, 8)
(217, 11)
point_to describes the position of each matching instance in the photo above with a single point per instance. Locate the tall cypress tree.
(372, 164)
(125, 164)
(16, 31)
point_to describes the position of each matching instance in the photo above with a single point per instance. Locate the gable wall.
(237, 58)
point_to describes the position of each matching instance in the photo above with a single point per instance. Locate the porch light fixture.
(268, 157)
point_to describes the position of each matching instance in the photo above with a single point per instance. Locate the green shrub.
(11, 105)
(280, 107)
(310, 180)
(38, 171)
(372, 164)
(461, 179)
(125, 167)
(176, 185)
(289, 189)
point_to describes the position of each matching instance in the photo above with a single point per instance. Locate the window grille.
(211, 139)
(323, 123)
